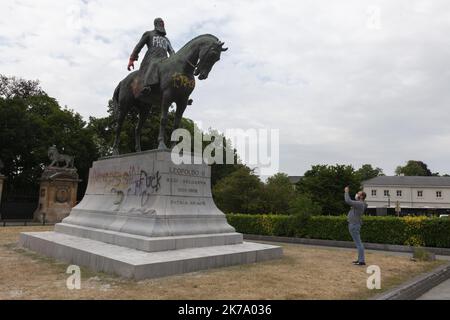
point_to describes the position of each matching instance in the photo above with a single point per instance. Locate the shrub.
(421, 254)
(413, 231)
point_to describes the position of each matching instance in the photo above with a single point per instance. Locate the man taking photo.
(354, 218)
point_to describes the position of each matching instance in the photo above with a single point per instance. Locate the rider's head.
(159, 26)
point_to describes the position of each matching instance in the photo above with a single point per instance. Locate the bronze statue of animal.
(58, 158)
(177, 81)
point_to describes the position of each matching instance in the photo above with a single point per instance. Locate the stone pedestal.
(57, 194)
(143, 216)
(2, 179)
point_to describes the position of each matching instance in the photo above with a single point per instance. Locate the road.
(440, 292)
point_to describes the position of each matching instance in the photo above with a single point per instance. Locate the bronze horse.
(177, 81)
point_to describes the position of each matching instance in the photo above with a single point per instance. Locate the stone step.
(150, 244)
(131, 263)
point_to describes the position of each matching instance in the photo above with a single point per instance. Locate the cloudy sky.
(349, 81)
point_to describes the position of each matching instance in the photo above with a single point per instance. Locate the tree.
(367, 172)
(324, 184)
(31, 122)
(414, 168)
(220, 170)
(303, 205)
(239, 192)
(12, 87)
(277, 194)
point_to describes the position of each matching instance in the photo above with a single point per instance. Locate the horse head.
(209, 54)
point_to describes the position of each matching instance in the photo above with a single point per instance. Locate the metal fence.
(18, 204)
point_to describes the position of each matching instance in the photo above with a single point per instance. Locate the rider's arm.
(135, 54)
(169, 48)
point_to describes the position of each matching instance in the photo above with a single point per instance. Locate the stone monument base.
(57, 195)
(131, 263)
(144, 216)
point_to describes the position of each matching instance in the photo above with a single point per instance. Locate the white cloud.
(338, 90)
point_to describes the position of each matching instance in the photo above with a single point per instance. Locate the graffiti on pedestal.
(132, 182)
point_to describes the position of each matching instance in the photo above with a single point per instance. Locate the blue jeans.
(355, 229)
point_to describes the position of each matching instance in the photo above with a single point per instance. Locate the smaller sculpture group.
(57, 158)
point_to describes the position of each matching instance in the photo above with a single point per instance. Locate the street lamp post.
(398, 208)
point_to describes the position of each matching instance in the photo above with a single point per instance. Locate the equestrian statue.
(161, 80)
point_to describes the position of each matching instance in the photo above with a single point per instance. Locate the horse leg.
(120, 120)
(143, 114)
(162, 126)
(181, 106)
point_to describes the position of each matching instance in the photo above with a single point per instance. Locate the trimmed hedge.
(418, 231)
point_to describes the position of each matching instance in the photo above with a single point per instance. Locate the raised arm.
(349, 201)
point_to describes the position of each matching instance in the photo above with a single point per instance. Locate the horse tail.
(115, 102)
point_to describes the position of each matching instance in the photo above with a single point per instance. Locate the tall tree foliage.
(12, 87)
(277, 194)
(30, 122)
(414, 168)
(367, 171)
(325, 185)
(239, 192)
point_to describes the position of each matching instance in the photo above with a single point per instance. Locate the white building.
(411, 193)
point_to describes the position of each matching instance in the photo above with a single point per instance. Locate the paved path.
(441, 292)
